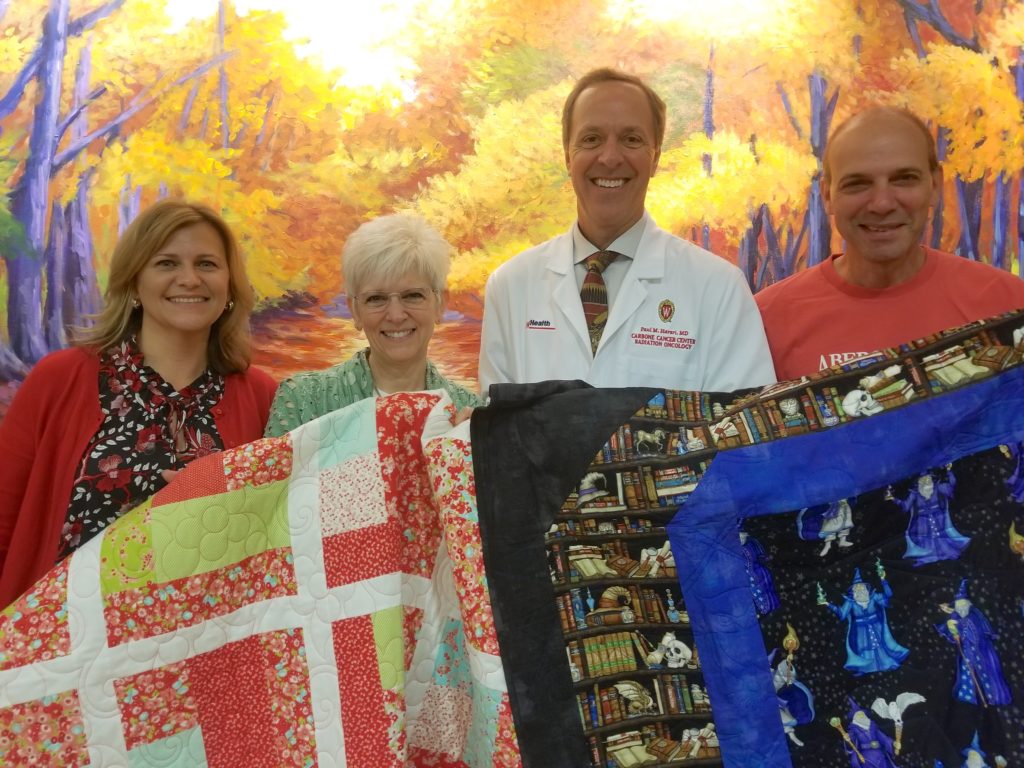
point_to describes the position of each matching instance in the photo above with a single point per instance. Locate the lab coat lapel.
(566, 294)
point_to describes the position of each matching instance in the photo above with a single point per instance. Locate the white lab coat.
(683, 318)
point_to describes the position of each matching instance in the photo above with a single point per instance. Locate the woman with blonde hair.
(161, 379)
(395, 269)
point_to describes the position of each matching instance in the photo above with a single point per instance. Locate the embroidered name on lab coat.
(663, 337)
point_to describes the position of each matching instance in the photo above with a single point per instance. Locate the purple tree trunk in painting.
(71, 290)
(1000, 220)
(55, 255)
(128, 208)
(225, 114)
(1018, 78)
(778, 260)
(816, 223)
(968, 195)
(941, 146)
(709, 131)
(749, 257)
(819, 241)
(29, 197)
(81, 292)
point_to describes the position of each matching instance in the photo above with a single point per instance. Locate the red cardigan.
(51, 420)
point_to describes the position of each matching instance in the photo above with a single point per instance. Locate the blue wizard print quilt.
(826, 573)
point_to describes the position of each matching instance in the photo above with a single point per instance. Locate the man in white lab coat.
(678, 316)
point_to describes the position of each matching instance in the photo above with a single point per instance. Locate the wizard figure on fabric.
(931, 535)
(827, 523)
(870, 646)
(979, 675)
(762, 586)
(796, 702)
(867, 745)
(1015, 451)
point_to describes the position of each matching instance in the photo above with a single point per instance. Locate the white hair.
(390, 247)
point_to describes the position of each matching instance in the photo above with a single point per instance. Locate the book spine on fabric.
(670, 694)
(607, 715)
(809, 412)
(684, 692)
(627, 441)
(658, 698)
(634, 597)
(759, 422)
(837, 404)
(627, 649)
(649, 488)
(577, 658)
(752, 427)
(563, 615)
(560, 569)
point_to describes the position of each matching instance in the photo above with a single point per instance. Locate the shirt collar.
(625, 244)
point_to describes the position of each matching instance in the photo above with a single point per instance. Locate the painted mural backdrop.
(108, 106)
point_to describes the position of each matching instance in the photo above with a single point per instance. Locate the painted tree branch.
(74, 113)
(932, 15)
(69, 154)
(76, 27)
(788, 106)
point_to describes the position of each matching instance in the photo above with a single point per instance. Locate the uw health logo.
(666, 310)
(539, 325)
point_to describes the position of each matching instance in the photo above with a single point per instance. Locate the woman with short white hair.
(395, 269)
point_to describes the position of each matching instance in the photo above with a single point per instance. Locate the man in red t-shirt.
(881, 177)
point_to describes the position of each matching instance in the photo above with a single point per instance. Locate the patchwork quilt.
(827, 572)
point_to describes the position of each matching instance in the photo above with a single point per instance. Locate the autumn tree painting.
(106, 107)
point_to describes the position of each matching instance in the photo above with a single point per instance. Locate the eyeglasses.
(377, 301)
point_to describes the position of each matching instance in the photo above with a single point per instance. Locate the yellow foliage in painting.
(808, 35)
(967, 94)
(470, 269)
(510, 188)
(14, 49)
(682, 195)
(1007, 37)
(149, 159)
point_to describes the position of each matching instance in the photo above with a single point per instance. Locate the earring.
(229, 306)
(136, 303)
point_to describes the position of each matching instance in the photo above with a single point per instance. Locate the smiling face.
(183, 288)
(398, 334)
(879, 190)
(611, 157)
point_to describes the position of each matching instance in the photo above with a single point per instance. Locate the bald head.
(881, 119)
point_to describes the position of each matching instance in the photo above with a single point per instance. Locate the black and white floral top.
(147, 428)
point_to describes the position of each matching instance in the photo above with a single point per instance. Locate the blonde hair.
(229, 348)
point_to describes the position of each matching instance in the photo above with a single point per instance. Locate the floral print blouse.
(147, 428)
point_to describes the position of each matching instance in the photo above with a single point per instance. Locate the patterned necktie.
(594, 295)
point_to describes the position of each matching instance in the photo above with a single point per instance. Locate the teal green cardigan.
(307, 396)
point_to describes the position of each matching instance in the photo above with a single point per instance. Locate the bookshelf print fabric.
(833, 567)
(829, 572)
(296, 601)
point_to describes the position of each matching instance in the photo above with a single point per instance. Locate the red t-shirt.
(815, 319)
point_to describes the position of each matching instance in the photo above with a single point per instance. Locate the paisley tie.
(594, 295)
